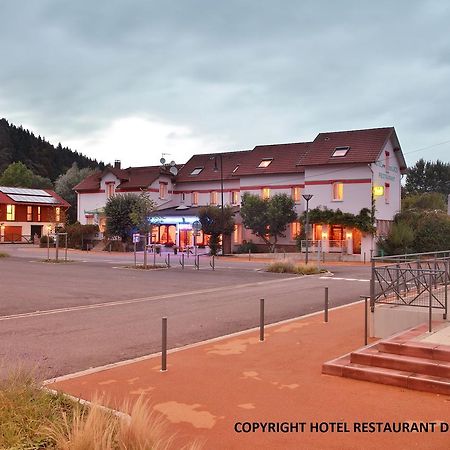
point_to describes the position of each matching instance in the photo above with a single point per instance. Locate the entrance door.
(36, 229)
(357, 242)
(336, 237)
(185, 239)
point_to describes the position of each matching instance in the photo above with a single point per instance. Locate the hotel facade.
(346, 170)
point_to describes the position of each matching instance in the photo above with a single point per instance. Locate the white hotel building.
(340, 170)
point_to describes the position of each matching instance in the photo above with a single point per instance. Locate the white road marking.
(187, 347)
(344, 279)
(141, 300)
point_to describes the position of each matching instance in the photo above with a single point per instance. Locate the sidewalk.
(210, 387)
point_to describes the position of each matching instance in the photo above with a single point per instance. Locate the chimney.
(117, 164)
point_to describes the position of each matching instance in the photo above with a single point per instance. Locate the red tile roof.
(365, 146)
(285, 159)
(132, 178)
(207, 163)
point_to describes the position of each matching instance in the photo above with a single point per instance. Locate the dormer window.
(265, 162)
(340, 151)
(110, 189)
(197, 170)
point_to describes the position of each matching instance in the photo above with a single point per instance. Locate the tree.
(428, 176)
(432, 232)
(18, 175)
(214, 224)
(428, 200)
(118, 211)
(64, 187)
(268, 218)
(400, 239)
(142, 213)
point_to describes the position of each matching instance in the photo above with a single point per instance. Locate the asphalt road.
(60, 318)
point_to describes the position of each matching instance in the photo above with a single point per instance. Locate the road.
(60, 318)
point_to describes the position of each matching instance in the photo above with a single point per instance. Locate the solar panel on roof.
(24, 191)
(32, 199)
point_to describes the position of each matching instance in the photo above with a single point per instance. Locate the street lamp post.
(307, 197)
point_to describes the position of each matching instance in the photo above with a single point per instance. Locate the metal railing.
(418, 279)
(334, 246)
(16, 239)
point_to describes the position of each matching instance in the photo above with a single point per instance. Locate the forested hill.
(18, 144)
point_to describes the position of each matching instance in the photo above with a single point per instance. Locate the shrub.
(4, 255)
(399, 240)
(289, 267)
(245, 247)
(78, 235)
(433, 233)
(43, 241)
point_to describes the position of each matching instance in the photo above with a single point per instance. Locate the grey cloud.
(246, 71)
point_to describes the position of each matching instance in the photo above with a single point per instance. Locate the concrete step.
(411, 364)
(416, 349)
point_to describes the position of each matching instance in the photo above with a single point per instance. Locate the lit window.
(340, 151)
(110, 189)
(162, 190)
(295, 229)
(213, 198)
(38, 213)
(296, 194)
(237, 234)
(387, 193)
(10, 212)
(29, 213)
(234, 197)
(338, 191)
(57, 214)
(194, 198)
(197, 170)
(236, 168)
(265, 193)
(265, 162)
(89, 220)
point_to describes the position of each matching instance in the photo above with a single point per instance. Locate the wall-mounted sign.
(378, 191)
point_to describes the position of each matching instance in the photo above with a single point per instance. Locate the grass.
(4, 255)
(34, 418)
(289, 267)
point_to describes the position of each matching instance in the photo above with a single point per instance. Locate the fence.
(332, 246)
(16, 239)
(418, 280)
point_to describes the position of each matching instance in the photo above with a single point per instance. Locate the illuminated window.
(162, 190)
(110, 189)
(295, 229)
(387, 193)
(265, 193)
(57, 214)
(10, 212)
(197, 170)
(89, 220)
(213, 198)
(265, 162)
(340, 151)
(234, 197)
(38, 213)
(338, 191)
(29, 213)
(237, 234)
(194, 198)
(296, 194)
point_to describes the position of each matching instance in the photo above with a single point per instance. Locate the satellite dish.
(162, 160)
(173, 170)
(172, 163)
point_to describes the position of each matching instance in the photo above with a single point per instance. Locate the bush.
(79, 235)
(4, 255)
(245, 247)
(43, 241)
(399, 240)
(289, 267)
(433, 233)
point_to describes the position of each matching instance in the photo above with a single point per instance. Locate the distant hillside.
(18, 144)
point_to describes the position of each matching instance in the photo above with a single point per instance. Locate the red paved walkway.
(210, 387)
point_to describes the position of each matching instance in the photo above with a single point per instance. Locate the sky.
(135, 79)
